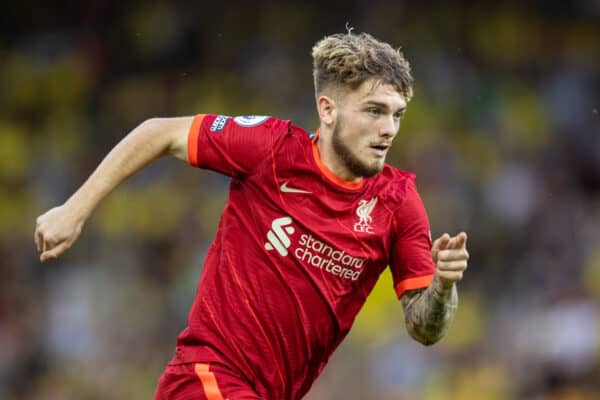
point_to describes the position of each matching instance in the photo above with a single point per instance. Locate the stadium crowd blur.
(503, 133)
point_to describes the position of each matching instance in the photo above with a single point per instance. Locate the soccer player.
(311, 221)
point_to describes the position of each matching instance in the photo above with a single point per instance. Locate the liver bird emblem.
(364, 210)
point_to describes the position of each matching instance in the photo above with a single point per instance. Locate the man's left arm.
(429, 312)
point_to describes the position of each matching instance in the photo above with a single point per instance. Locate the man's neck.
(331, 160)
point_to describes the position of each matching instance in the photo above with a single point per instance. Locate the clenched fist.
(450, 256)
(56, 231)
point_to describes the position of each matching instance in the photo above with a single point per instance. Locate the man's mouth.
(380, 149)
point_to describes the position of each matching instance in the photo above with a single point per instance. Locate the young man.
(310, 223)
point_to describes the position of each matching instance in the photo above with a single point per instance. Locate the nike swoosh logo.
(286, 189)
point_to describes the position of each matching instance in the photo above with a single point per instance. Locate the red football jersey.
(296, 253)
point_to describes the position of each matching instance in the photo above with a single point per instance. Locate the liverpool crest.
(365, 221)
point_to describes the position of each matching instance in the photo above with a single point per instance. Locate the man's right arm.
(57, 229)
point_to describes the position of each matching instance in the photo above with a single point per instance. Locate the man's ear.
(327, 109)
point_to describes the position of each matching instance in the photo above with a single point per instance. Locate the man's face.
(368, 120)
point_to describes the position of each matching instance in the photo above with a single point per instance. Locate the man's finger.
(37, 238)
(54, 252)
(458, 241)
(48, 243)
(453, 255)
(452, 242)
(441, 242)
(454, 276)
(459, 265)
(462, 240)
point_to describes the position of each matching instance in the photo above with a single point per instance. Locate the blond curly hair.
(346, 60)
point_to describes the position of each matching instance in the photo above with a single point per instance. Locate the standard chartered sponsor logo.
(313, 252)
(278, 235)
(321, 255)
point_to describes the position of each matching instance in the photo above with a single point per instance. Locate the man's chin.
(372, 170)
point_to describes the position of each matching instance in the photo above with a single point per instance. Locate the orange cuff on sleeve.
(193, 137)
(413, 283)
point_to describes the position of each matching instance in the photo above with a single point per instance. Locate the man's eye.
(375, 111)
(398, 115)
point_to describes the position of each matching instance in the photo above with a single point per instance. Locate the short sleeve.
(411, 263)
(233, 146)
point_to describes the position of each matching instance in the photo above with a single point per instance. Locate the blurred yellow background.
(503, 134)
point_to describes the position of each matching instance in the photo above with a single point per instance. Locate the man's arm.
(57, 229)
(429, 312)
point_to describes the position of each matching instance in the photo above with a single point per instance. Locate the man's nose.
(388, 127)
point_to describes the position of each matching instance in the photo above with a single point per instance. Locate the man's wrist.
(443, 290)
(78, 207)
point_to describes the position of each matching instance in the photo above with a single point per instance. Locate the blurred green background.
(503, 133)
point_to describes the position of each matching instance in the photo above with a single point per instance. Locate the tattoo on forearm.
(428, 313)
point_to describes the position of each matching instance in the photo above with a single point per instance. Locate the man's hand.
(56, 231)
(450, 256)
(429, 312)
